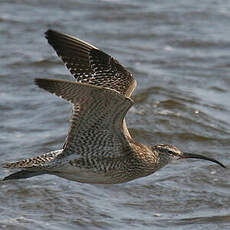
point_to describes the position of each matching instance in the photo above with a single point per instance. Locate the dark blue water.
(179, 53)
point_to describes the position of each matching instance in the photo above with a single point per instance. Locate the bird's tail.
(31, 167)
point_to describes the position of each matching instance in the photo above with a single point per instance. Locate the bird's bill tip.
(198, 156)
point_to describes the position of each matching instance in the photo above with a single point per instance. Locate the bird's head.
(167, 153)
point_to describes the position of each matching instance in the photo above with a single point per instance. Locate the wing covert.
(97, 117)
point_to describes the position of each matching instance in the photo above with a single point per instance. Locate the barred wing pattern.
(98, 113)
(91, 65)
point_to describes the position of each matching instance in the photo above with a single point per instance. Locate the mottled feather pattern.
(39, 161)
(96, 126)
(91, 65)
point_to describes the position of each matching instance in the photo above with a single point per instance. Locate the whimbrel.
(99, 148)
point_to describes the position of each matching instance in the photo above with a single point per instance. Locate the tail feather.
(41, 161)
(31, 167)
(23, 174)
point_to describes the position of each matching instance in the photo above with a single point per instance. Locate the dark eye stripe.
(171, 152)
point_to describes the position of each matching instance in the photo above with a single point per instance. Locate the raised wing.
(90, 65)
(96, 126)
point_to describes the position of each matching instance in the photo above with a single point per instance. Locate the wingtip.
(36, 81)
(40, 82)
(49, 33)
(23, 174)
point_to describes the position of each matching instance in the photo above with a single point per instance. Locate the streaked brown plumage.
(98, 148)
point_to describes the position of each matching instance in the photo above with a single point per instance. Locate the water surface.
(178, 52)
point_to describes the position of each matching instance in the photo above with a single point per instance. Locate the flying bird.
(99, 148)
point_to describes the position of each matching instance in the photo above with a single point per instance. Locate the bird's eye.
(171, 152)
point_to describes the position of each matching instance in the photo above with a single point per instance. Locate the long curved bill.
(197, 156)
